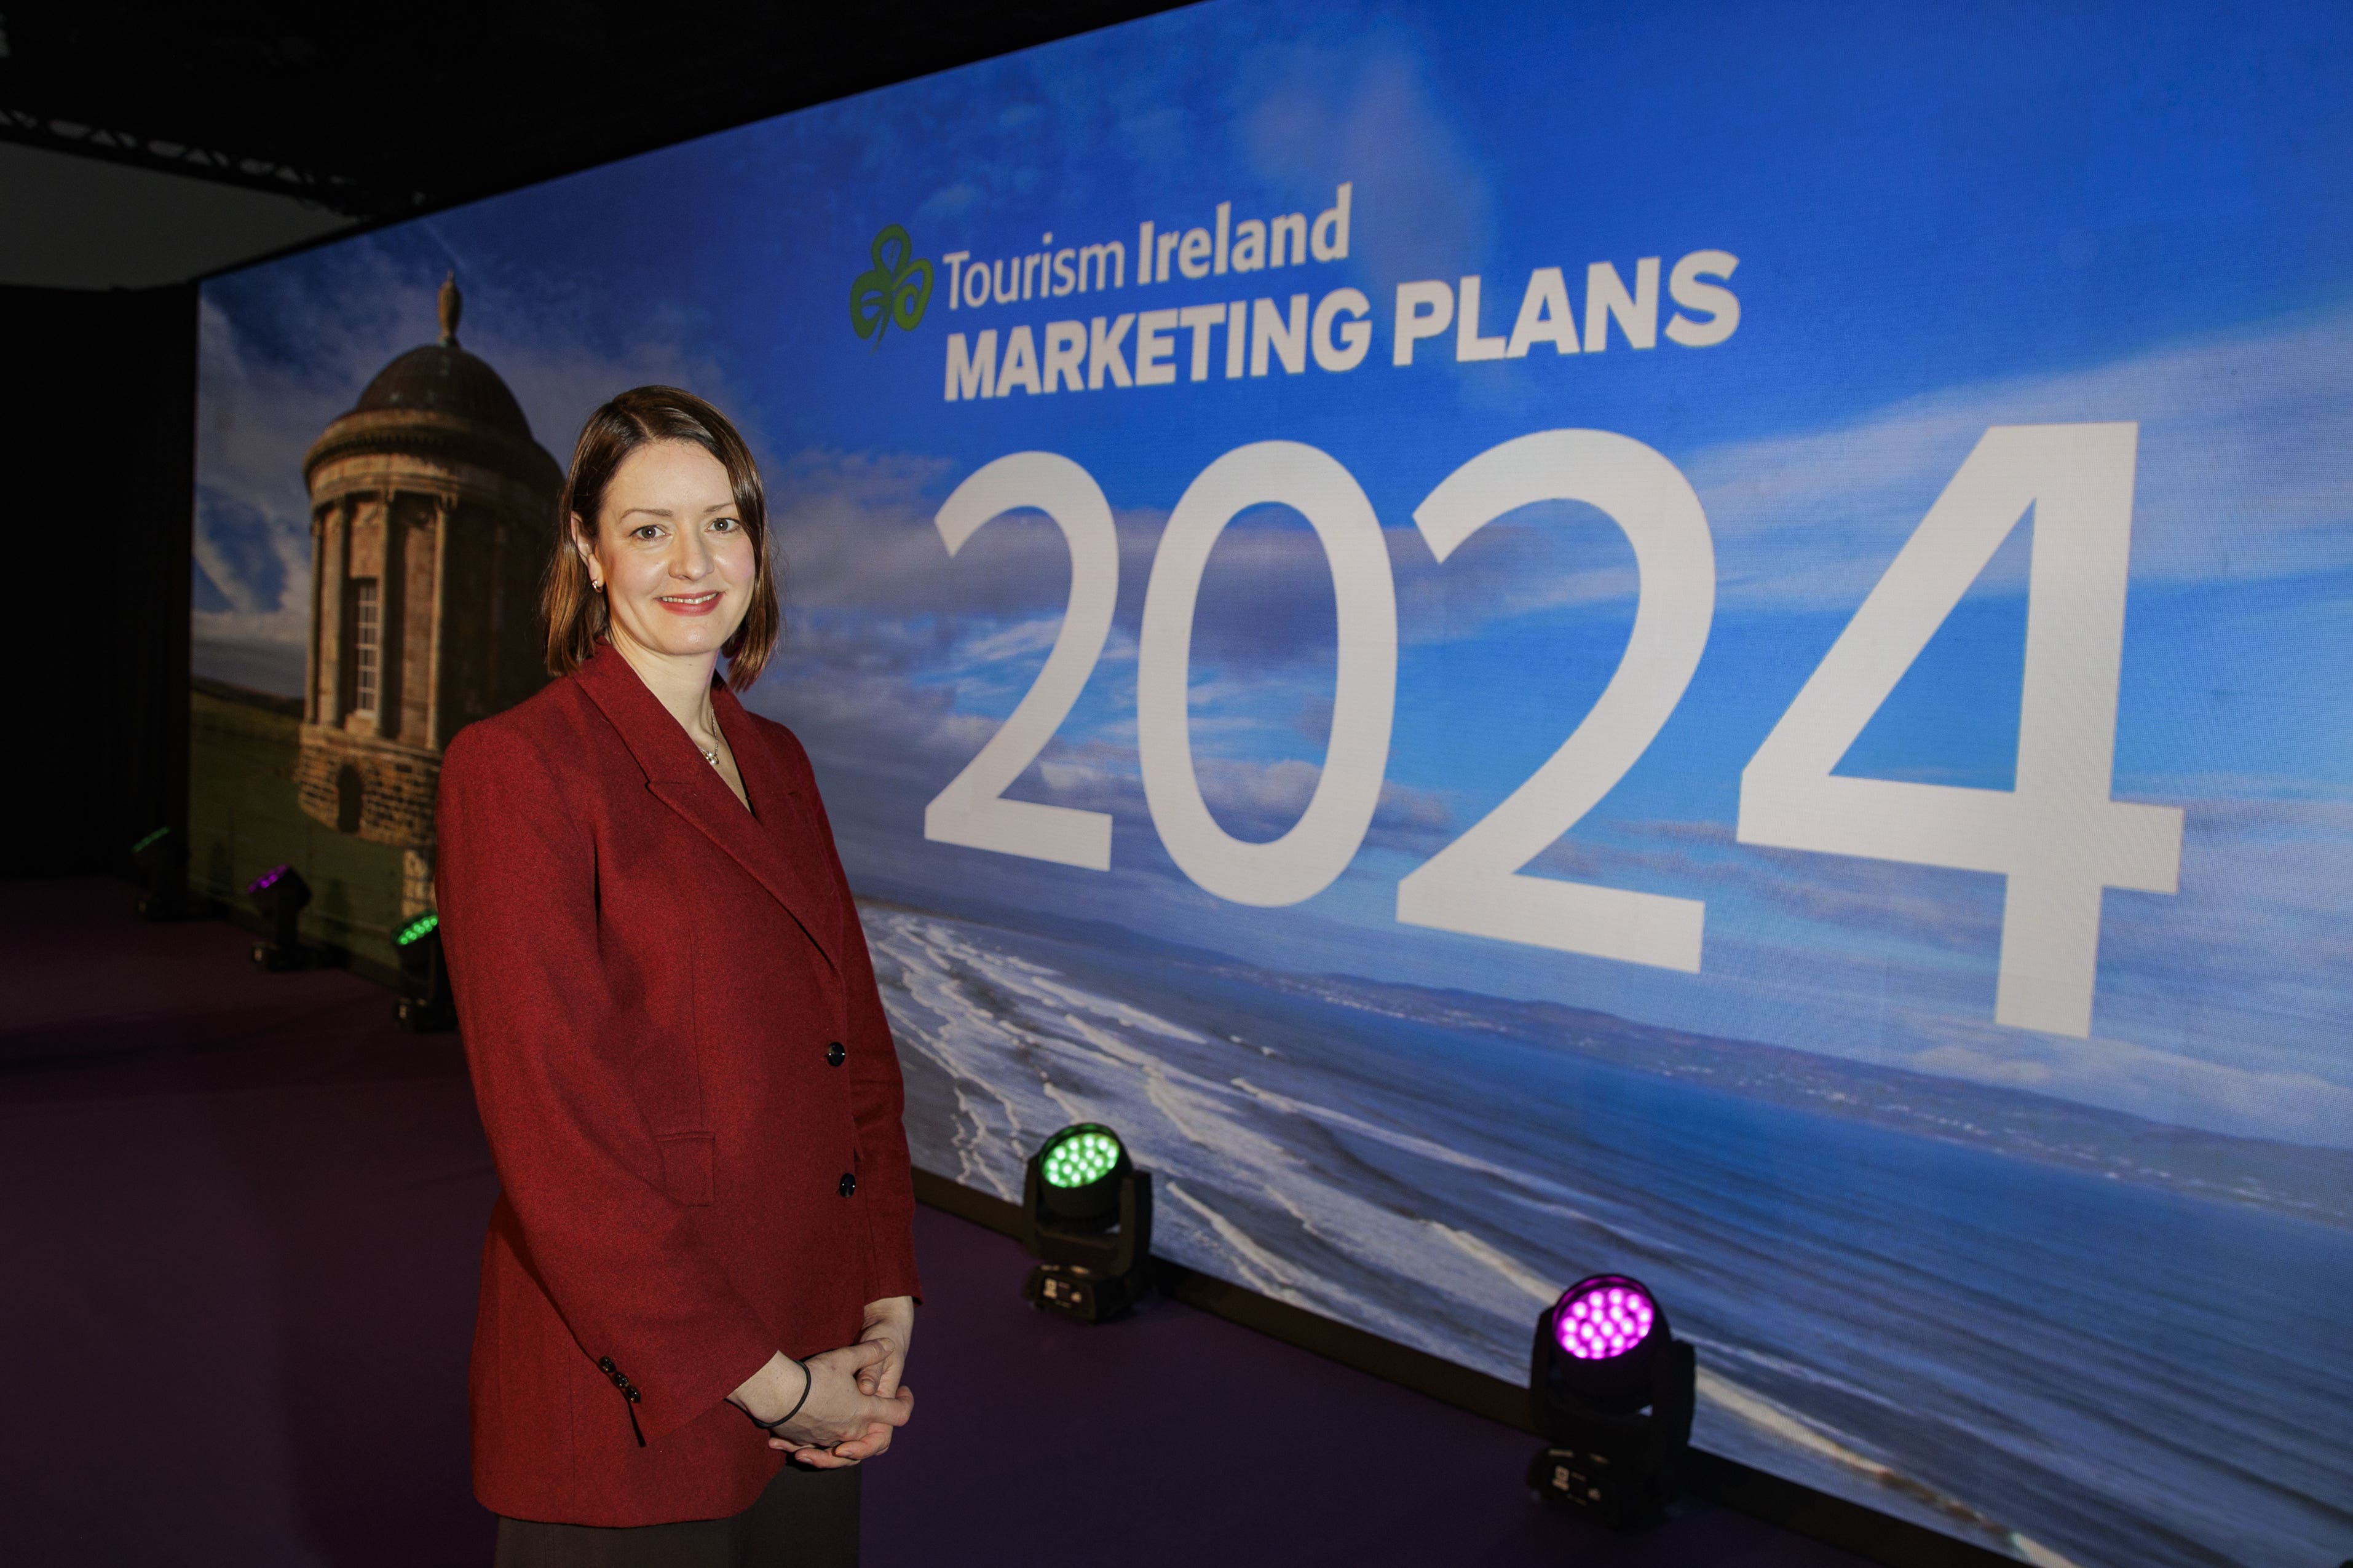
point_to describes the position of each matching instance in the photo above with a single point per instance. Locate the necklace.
(710, 722)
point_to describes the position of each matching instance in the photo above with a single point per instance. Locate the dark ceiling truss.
(118, 145)
(389, 109)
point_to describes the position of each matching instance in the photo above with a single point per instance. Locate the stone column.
(445, 508)
(311, 662)
(327, 695)
(392, 617)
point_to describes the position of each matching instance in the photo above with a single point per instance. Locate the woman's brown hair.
(576, 612)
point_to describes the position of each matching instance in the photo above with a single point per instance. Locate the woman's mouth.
(689, 603)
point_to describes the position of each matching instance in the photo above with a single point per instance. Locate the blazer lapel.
(677, 775)
(786, 823)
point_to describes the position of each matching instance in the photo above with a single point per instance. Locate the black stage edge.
(1882, 1538)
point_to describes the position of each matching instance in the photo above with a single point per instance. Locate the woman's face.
(672, 552)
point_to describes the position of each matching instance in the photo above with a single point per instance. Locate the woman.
(698, 1282)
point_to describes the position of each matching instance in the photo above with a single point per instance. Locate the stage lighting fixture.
(279, 895)
(161, 858)
(426, 1006)
(1087, 1218)
(1612, 1389)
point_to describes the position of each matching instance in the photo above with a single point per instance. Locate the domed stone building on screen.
(432, 508)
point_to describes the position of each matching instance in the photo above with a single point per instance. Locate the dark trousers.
(806, 1519)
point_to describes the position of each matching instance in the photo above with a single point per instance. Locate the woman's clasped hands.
(854, 1396)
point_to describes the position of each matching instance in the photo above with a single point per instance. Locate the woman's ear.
(588, 552)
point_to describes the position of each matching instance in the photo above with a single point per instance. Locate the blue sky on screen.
(1945, 222)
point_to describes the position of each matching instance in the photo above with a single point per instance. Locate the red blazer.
(689, 1088)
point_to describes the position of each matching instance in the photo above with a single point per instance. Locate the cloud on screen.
(2241, 469)
(2223, 1006)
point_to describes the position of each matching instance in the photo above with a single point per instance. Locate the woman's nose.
(691, 559)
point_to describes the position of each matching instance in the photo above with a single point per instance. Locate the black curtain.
(98, 414)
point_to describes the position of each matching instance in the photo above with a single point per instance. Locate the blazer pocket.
(687, 1160)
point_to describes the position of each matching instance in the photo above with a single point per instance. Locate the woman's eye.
(727, 523)
(648, 530)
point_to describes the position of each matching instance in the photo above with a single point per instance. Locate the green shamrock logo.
(898, 289)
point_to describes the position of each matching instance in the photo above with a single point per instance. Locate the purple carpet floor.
(239, 1222)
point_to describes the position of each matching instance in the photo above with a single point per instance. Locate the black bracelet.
(808, 1381)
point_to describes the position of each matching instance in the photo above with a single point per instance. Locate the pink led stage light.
(1604, 1317)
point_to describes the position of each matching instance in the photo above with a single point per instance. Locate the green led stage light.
(1087, 1214)
(1612, 1389)
(161, 858)
(426, 1005)
(1080, 1156)
(279, 896)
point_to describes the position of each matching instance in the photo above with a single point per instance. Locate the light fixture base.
(1612, 1493)
(1076, 1291)
(279, 958)
(425, 1016)
(426, 1005)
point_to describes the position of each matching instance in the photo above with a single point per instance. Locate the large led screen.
(1707, 641)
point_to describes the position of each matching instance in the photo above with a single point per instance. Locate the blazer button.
(604, 1365)
(848, 1185)
(835, 1055)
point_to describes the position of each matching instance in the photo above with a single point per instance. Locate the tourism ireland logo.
(897, 289)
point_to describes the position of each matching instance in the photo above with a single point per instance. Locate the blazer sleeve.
(878, 1094)
(547, 1041)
